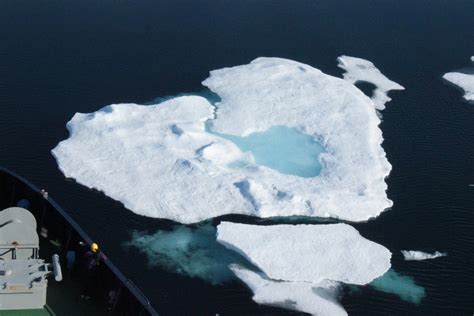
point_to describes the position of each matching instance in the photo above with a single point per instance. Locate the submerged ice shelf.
(193, 252)
(160, 161)
(400, 285)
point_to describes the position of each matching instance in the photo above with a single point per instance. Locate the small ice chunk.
(315, 299)
(464, 81)
(358, 69)
(410, 255)
(307, 253)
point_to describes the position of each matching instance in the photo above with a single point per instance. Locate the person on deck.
(93, 259)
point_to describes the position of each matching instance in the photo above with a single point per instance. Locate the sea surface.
(62, 57)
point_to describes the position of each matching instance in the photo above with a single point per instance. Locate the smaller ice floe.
(316, 299)
(464, 81)
(400, 285)
(302, 266)
(412, 255)
(361, 70)
(307, 253)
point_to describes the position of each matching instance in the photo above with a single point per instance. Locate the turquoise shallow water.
(400, 285)
(189, 251)
(284, 149)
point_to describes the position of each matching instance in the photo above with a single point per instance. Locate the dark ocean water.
(62, 57)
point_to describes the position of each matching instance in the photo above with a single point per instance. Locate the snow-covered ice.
(307, 253)
(464, 81)
(304, 264)
(419, 255)
(361, 70)
(315, 299)
(279, 92)
(157, 159)
(160, 161)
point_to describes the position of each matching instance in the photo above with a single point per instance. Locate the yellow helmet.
(94, 247)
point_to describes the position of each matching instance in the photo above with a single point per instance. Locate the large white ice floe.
(464, 81)
(279, 92)
(157, 160)
(419, 255)
(315, 299)
(361, 70)
(160, 161)
(308, 253)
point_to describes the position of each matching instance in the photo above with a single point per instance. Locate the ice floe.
(315, 299)
(160, 161)
(279, 92)
(464, 81)
(307, 253)
(303, 266)
(419, 255)
(361, 70)
(157, 160)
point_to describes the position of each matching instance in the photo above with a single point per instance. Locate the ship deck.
(60, 234)
(63, 298)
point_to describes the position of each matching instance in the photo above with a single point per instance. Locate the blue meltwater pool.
(284, 149)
